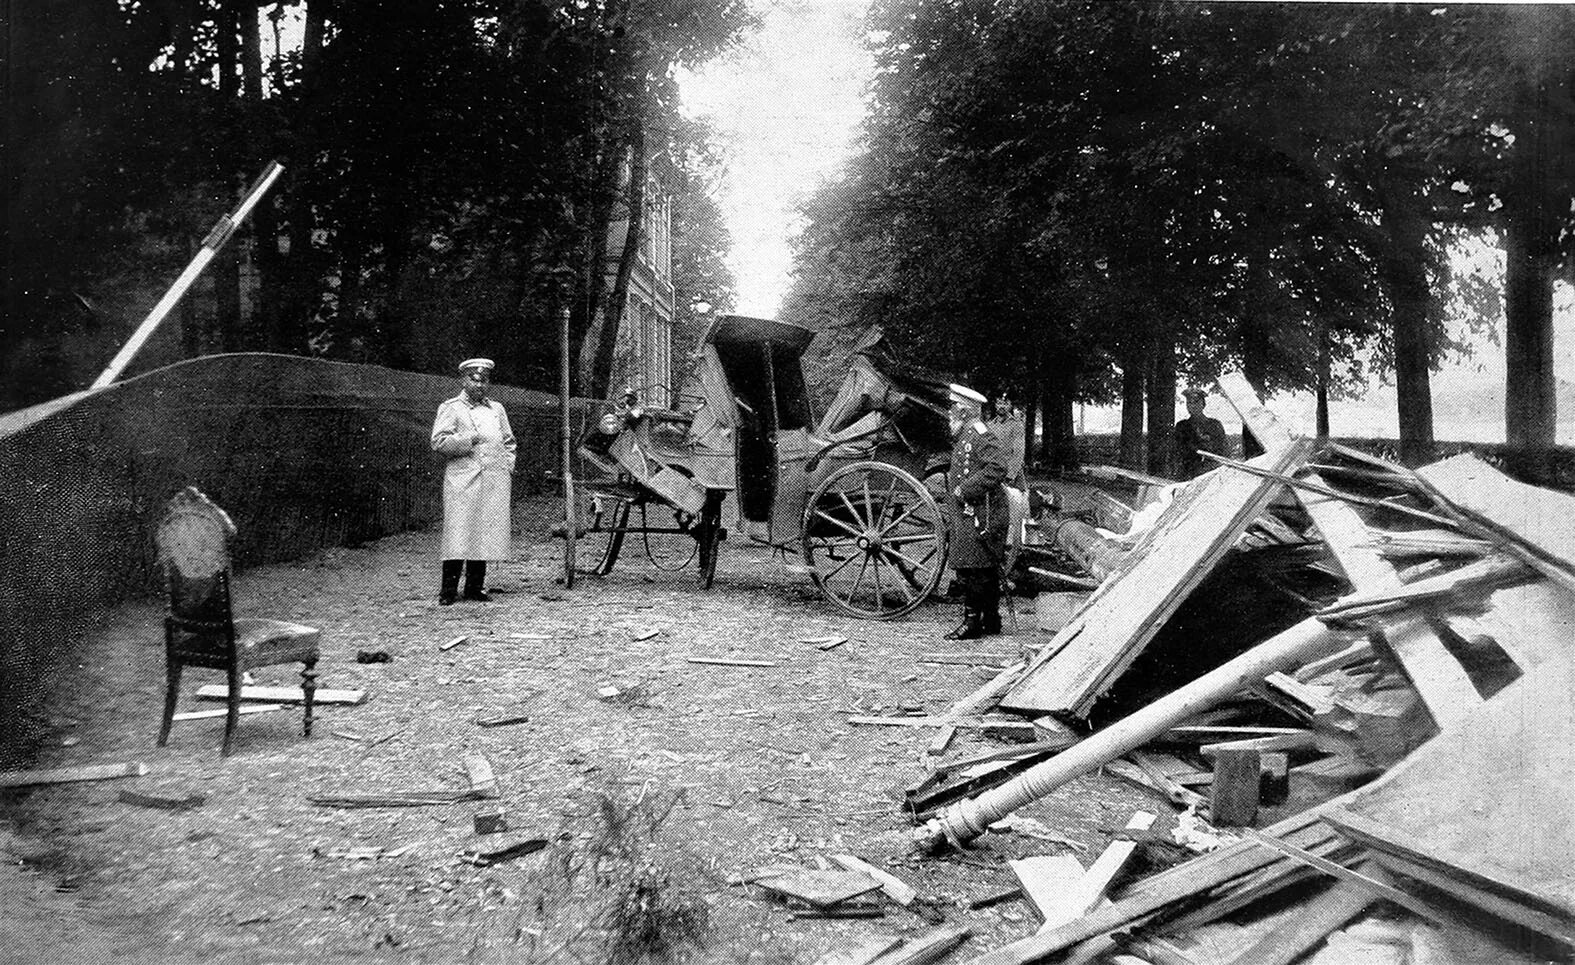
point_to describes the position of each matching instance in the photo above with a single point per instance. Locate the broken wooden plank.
(1299, 933)
(646, 635)
(965, 820)
(486, 859)
(1304, 740)
(453, 643)
(478, 770)
(1476, 802)
(731, 662)
(1373, 883)
(503, 720)
(895, 888)
(71, 775)
(1558, 927)
(403, 799)
(941, 740)
(1541, 521)
(1302, 484)
(245, 709)
(1445, 688)
(1237, 861)
(162, 801)
(1045, 881)
(1233, 797)
(863, 953)
(819, 887)
(927, 948)
(1207, 518)
(1082, 895)
(283, 695)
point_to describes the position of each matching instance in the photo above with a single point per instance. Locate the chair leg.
(171, 694)
(233, 717)
(308, 689)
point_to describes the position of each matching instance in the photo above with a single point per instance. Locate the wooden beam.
(283, 695)
(71, 775)
(1312, 922)
(1204, 522)
(1047, 882)
(1450, 696)
(1233, 797)
(1378, 888)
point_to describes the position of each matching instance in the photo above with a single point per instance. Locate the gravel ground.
(750, 766)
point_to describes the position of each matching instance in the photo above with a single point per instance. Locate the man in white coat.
(473, 432)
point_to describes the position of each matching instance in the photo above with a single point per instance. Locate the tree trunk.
(1534, 211)
(1322, 388)
(1030, 395)
(1529, 403)
(1132, 411)
(1404, 271)
(596, 375)
(1161, 403)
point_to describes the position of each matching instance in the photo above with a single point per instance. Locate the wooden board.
(222, 711)
(1542, 520)
(1314, 920)
(1351, 543)
(895, 888)
(1206, 519)
(929, 947)
(70, 775)
(1047, 880)
(1489, 803)
(1445, 688)
(1532, 623)
(283, 695)
(819, 887)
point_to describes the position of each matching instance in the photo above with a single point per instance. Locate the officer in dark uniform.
(979, 514)
(1197, 431)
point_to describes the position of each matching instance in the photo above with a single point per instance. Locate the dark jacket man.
(979, 515)
(1195, 432)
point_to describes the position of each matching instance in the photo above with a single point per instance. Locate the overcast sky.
(787, 105)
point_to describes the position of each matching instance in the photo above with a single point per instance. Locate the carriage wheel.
(874, 539)
(605, 518)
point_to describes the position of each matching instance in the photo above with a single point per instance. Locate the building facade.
(643, 360)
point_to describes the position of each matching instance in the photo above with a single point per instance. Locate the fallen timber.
(1425, 833)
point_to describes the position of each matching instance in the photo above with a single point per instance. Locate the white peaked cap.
(961, 393)
(486, 365)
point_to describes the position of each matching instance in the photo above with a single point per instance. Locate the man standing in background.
(473, 432)
(1197, 431)
(979, 514)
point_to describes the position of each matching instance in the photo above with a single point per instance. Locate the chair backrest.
(194, 547)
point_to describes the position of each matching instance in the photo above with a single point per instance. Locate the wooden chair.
(201, 630)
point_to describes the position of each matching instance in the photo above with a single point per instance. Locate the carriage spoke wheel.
(874, 539)
(603, 518)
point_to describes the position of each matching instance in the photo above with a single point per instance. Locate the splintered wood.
(1205, 521)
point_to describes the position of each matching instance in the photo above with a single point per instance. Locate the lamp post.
(570, 515)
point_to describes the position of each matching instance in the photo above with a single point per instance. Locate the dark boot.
(450, 588)
(476, 581)
(968, 618)
(990, 606)
(972, 628)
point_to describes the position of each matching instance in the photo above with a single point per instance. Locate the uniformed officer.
(979, 514)
(1196, 432)
(473, 432)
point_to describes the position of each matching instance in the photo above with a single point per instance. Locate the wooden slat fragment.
(1446, 690)
(864, 953)
(283, 695)
(1155, 578)
(895, 888)
(1047, 881)
(927, 948)
(1305, 930)
(221, 711)
(483, 782)
(71, 775)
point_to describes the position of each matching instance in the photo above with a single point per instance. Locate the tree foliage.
(451, 169)
(1048, 194)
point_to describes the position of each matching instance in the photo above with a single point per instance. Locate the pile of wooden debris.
(1422, 794)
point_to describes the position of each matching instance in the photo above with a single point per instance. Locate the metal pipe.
(210, 246)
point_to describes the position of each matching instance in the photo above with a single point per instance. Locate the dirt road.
(692, 776)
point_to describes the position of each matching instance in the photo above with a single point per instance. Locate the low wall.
(302, 453)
